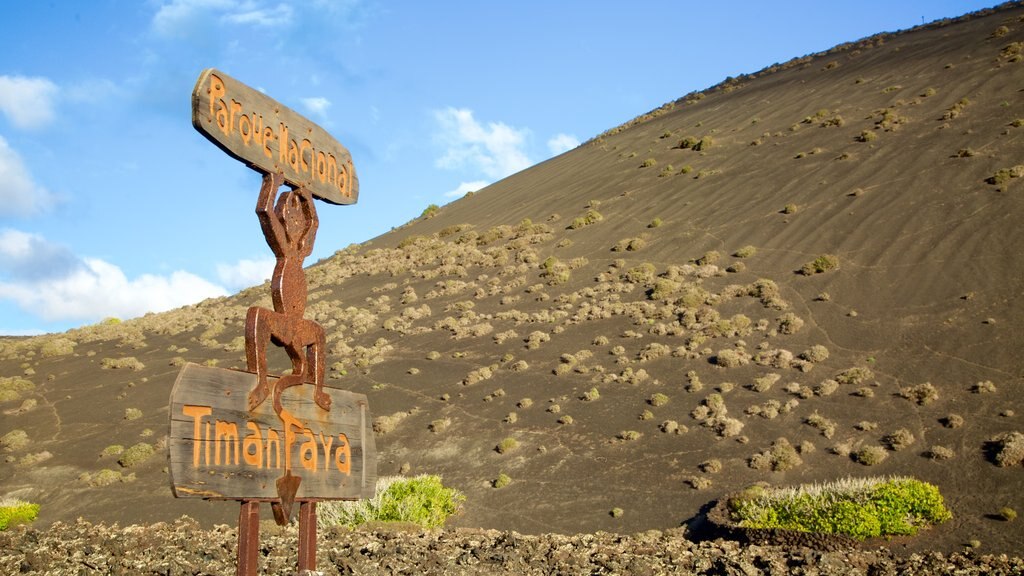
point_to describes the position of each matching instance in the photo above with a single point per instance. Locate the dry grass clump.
(698, 482)
(1003, 176)
(731, 358)
(1007, 449)
(628, 435)
(132, 413)
(899, 439)
(658, 399)
(940, 453)
(589, 217)
(629, 245)
(712, 466)
(983, 387)
(745, 252)
(822, 424)
(106, 477)
(136, 455)
(14, 440)
(12, 388)
(506, 445)
(764, 383)
(922, 394)
(815, 354)
(826, 387)
(128, 362)
(870, 455)
(386, 424)
(790, 323)
(58, 346)
(822, 263)
(781, 456)
(536, 338)
(952, 421)
(854, 376)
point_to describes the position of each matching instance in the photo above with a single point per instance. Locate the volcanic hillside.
(803, 274)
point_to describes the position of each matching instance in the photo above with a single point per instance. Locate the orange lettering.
(197, 413)
(343, 456)
(268, 137)
(273, 448)
(308, 451)
(226, 435)
(306, 145)
(282, 139)
(252, 446)
(326, 442)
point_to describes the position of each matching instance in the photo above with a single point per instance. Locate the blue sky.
(111, 204)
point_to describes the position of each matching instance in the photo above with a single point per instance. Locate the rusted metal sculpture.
(290, 229)
(289, 226)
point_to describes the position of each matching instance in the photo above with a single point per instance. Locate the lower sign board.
(219, 449)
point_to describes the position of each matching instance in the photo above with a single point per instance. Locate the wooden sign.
(270, 137)
(219, 449)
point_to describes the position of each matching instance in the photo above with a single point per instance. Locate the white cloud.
(466, 187)
(87, 288)
(495, 150)
(317, 105)
(249, 13)
(27, 102)
(179, 18)
(20, 195)
(562, 143)
(25, 256)
(245, 273)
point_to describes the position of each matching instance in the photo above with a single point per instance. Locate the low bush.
(14, 512)
(859, 508)
(422, 500)
(822, 263)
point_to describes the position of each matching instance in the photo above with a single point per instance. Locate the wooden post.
(307, 536)
(248, 538)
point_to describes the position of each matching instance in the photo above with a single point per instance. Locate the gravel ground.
(183, 547)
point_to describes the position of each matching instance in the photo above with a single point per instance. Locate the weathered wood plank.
(270, 137)
(218, 449)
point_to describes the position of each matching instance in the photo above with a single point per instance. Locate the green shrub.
(430, 211)
(502, 480)
(136, 455)
(14, 512)
(648, 163)
(1007, 514)
(860, 508)
(422, 500)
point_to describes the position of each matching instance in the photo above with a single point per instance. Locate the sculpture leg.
(316, 360)
(258, 328)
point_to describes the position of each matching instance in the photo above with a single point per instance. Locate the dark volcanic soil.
(182, 547)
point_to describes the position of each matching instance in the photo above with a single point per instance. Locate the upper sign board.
(270, 137)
